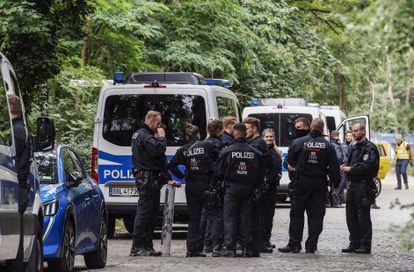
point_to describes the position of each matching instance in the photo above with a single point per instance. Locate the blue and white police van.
(32, 219)
(181, 98)
(280, 114)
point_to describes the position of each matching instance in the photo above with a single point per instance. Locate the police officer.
(335, 199)
(313, 158)
(302, 125)
(228, 123)
(255, 140)
(240, 165)
(149, 167)
(199, 158)
(361, 168)
(23, 150)
(272, 178)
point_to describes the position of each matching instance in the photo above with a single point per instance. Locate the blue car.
(75, 216)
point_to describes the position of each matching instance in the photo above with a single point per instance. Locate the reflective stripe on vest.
(401, 152)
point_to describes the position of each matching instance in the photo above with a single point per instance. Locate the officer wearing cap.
(361, 167)
(199, 158)
(313, 158)
(240, 165)
(149, 167)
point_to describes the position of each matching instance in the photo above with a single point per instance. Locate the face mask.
(301, 132)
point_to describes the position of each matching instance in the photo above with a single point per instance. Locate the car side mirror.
(45, 136)
(74, 179)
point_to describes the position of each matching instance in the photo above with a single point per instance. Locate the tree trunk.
(407, 96)
(389, 81)
(372, 88)
(84, 50)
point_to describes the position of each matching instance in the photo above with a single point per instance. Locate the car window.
(124, 114)
(68, 165)
(47, 167)
(381, 151)
(78, 164)
(226, 107)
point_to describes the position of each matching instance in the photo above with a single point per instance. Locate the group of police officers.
(232, 178)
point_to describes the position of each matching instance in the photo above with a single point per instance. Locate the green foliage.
(72, 103)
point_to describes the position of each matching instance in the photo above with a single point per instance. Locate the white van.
(121, 111)
(9, 185)
(280, 115)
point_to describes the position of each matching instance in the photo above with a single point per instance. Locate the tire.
(97, 258)
(378, 184)
(66, 262)
(35, 262)
(129, 223)
(111, 226)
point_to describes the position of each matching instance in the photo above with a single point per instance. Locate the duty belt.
(147, 173)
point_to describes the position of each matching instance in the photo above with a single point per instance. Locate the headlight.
(51, 208)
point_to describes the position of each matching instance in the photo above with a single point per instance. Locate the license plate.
(123, 191)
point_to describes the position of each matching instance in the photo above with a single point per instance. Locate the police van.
(280, 114)
(181, 98)
(9, 186)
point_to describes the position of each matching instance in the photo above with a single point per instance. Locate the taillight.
(95, 175)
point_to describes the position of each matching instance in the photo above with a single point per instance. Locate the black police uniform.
(335, 199)
(227, 139)
(149, 162)
(198, 158)
(23, 150)
(240, 165)
(313, 158)
(364, 162)
(271, 182)
(259, 202)
(23, 161)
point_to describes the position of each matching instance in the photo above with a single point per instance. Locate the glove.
(411, 163)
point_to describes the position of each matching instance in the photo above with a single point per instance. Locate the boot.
(195, 254)
(349, 249)
(289, 249)
(406, 186)
(362, 250)
(138, 250)
(218, 252)
(150, 249)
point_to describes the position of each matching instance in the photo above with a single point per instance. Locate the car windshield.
(124, 114)
(47, 168)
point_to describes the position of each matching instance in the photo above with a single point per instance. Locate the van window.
(226, 107)
(5, 126)
(124, 114)
(330, 121)
(283, 124)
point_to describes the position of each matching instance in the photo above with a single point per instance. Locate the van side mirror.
(45, 136)
(74, 179)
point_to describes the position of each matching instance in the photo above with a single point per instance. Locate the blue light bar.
(218, 82)
(119, 78)
(254, 102)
